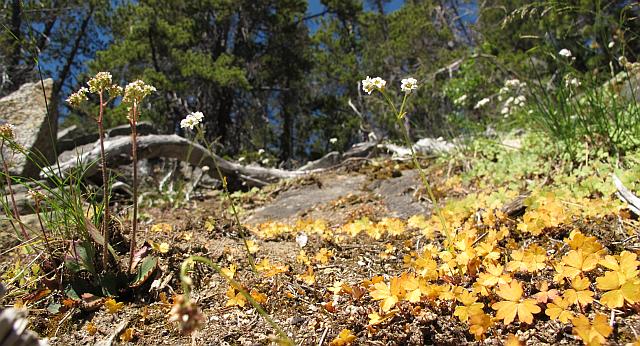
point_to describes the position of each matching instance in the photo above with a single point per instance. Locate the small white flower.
(481, 103)
(260, 151)
(333, 140)
(565, 53)
(520, 100)
(302, 239)
(75, 99)
(135, 91)
(265, 161)
(460, 100)
(100, 82)
(408, 84)
(511, 83)
(611, 44)
(572, 81)
(367, 85)
(7, 131)
(192, 120)
(379, 83)
(205, 168)
(241, 159)
(505, 111)
(508, 101)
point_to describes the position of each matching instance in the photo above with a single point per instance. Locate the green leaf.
(54, 308)
(112, 284)
(148, 267)
(82, 257)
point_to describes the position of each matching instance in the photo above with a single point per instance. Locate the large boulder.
(26, 110)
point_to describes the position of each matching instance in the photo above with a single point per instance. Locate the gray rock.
(427, 146)
(331, 159)
(398, 194)
(72, 137)
(25, 109)
(304, 199)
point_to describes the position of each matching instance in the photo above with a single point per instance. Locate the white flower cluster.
(97, 85)
(75, 99)
(511, 103)
(100, 82)
(513, 91)
(408, 84)
(571, 81)
(460, 101)
(7, 131)
(514, 84)
(481, 103)
(565, 53)
(134, 92)
(370, 84)
(192, 120)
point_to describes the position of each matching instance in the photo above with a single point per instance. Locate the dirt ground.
(311, 305)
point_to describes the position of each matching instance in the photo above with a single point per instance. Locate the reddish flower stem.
(134, 156)
(105, 187)
(16, 213)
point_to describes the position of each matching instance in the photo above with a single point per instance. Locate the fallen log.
(626, 196)
(118, 152)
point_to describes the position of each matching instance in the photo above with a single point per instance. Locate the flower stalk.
(134, 156)
(101, 83)
(37, 200)
(134, 93)
(185, 300)
(6, 133)
(194, 120)
(105, 187)
(408, 85)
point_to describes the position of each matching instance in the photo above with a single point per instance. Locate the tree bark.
(117, 152)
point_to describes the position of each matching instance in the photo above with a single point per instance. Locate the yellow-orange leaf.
(558, 310)
(619, 291)
(494, 276)
(579, 292)
(345, 338)
(308, 277)
(513, 340)
(162, 227)
(91, 328)
(252, 246)
(389, 294)
(577, 262)
(260, 298)
(127, 335)
(479, 324)
(235, 299)
(513, 304)
(591, 333)
(230, 272)
(545, 293)
(112, 306)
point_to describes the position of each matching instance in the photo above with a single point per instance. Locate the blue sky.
(315, 6)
